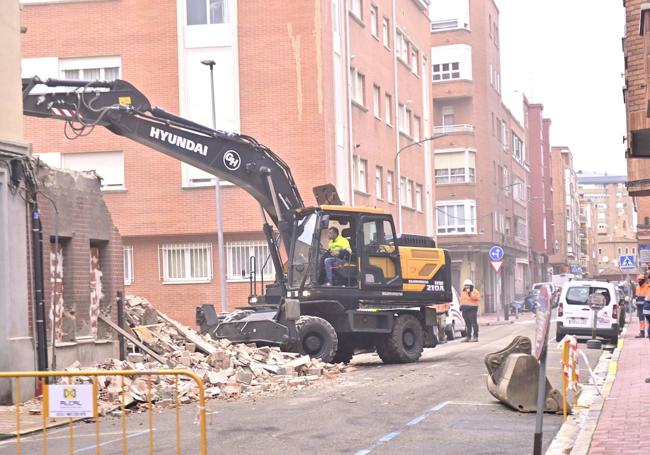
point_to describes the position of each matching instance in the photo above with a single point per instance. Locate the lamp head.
(209, 63)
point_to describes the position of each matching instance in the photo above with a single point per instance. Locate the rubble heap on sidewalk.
(227, 370)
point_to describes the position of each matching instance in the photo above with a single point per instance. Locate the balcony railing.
(447, 129)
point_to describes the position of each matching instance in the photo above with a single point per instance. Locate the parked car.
(552, 291)
(455, 324)
(575, 317)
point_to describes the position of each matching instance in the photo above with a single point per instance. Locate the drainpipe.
(39, 303)
(398, 172)
(348, 104)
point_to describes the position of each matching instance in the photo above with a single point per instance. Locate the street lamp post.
(399, 174)
(217, 186)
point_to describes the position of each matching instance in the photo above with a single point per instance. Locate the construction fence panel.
(67, 397)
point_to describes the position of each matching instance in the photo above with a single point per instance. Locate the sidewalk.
(624, 422)
(491, 319)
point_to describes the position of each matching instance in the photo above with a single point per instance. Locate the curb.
(576, 433)
(491, 323)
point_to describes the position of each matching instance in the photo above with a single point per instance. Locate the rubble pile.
(227, 370)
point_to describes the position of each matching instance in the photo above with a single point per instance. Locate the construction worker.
(469, 301)
(339, 250)
(642, 290)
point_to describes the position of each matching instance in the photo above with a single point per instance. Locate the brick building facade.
(335, 88)
(481, 163)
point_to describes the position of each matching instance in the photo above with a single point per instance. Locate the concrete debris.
(227, 370)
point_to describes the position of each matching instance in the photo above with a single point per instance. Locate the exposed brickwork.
(83, 221)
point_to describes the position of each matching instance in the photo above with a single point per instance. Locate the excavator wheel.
(345, 351)
(405, 343)
(316, 338)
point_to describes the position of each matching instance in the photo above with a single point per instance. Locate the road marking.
(85, 449)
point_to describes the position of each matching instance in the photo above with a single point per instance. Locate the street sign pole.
(496, 255)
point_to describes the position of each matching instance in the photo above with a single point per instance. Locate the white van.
(574, 317)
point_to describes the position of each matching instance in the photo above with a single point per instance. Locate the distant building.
(482, 163)
(615, 220)
(566, 213)
(542, 238)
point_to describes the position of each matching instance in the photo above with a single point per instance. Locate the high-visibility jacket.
(470, 299)
(642, 291)
(339, 243)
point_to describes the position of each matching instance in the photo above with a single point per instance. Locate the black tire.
(344, 352)
(559, 336)
(614, 340)
(450, 332)
(316, 338)
(463, 333)
(405, 343)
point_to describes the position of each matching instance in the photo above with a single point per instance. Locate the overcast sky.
(566, 54)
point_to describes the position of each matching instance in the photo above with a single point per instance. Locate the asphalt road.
(438, 405)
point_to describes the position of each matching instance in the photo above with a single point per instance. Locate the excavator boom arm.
(124, 110)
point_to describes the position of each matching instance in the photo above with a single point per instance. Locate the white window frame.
(226, 14)
(101, 158)
(418, 197)
(404, 119)
(415, 59)
(83, 64)
(385, 32)
(390, 197)
(358, 81)
(257, 248)
(447, 71)
(388, 108)
(468, 219)
(444, 176)
(379, 182)
(129, 273)
(417, 125)
(374, 17)
(360, 169)
(402, 47)
(356, 8)
(376, 99)
(165, 267)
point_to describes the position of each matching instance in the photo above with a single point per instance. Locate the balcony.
(462, 128)
(448, 24)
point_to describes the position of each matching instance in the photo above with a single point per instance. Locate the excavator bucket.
(513, 375)
(327, 195)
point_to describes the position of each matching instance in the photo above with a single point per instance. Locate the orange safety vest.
(642, 290)
(471, 299)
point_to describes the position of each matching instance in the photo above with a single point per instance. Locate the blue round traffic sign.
(496, 253)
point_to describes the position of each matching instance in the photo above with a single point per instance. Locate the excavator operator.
(339, 250)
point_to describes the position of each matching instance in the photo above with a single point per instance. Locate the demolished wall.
(83, 268)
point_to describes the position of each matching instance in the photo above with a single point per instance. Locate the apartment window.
(506, 181)
(201, 12)
(446, 71)
(406, 190)
(456, 217)
(517, 147)
(619, 251)
(127, 252)
(404, 119)
(633, 250)
(627, 250)
(388, 108)
(455, 167)
(418, 197)
(389, 186)
(356, 8)
(379, 184)
(600, 251)
(360, 169)
(519, 190)
(358, 86)
(601, 205)
(416, 128)
(91, 68)
(373, 20)
(186, 262)
(602, 216)
(107, 165)
(402, 48)
(504, 134)
(385, 32)
(239, 256)
(521, 229)
(376, 101)
(491, 75)
(619, 205)
(415, 58)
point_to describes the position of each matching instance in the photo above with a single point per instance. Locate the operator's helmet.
(468, 283)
